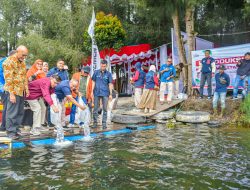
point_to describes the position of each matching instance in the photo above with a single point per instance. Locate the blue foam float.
(51, 141)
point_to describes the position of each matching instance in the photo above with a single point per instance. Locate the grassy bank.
(237, 112)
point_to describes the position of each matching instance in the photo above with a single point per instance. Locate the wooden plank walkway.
(159, 108)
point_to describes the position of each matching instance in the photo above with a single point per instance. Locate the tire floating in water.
(214, 124)
(132, 127)
(193, 116)
(165, 115)
(128, 119)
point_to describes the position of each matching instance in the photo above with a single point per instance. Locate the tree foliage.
(50, 50)
(145, 21)
(14, 17)
(109, 32)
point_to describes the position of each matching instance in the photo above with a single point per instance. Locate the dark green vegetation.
(245, 109)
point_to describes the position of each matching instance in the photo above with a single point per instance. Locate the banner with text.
(96, 59)
(228, 56)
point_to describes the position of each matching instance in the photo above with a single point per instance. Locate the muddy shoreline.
(231, 117)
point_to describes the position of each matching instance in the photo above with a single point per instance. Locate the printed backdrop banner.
(228, 56)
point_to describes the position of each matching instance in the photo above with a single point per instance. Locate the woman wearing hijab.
(149, 96)
(36, 71)
(138, 80)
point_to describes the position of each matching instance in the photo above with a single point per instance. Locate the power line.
(225, 34)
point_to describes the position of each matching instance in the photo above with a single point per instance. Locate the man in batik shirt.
(16, 87)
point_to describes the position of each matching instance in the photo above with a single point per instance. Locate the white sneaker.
(35, 132)
(151, 111)
(42, 129)
(71, 125)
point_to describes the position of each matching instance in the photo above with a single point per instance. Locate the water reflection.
(190, 157)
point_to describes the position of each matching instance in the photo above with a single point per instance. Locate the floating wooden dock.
(159, 108)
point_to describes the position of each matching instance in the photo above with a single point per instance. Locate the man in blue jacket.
(242, 75)
(101, 90)
(60, 70)
(2, 93)
(62, 73)
(167, 72)
(138, 80)
(207, 70)
(222, 82)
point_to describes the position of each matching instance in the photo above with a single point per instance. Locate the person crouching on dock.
(41, 90)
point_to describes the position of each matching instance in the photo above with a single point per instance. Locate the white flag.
(91, 29)
(95, 59)
(163, 54)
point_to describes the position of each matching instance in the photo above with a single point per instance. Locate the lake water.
(190, 157)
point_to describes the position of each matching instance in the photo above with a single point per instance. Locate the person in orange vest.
(84, 90)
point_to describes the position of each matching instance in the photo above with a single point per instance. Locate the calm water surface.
(193, 157)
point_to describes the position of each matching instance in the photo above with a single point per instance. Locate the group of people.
(168, 77)
(38, 85)
(207, 70)
(147, 85)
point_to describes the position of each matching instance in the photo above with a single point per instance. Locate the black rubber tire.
(128, 119)
(193, 116)
(165, 115)
(161, 121)
(214, 124)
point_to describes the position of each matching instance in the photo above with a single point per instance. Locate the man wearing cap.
(101, 90)
(222, 82)
(84, 90)
(243, 74)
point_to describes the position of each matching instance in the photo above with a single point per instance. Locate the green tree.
(13, 21)
(50, 50)
(109, 33)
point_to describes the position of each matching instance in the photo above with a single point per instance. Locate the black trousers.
(4, 101)
(14, 113)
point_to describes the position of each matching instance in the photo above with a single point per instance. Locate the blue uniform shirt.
(141, 80)
(150, 83)
(207, 64)
(63, 74)
(2, 81)
(102, 81)
(219, 86)
(62, 90)
(170, 72)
